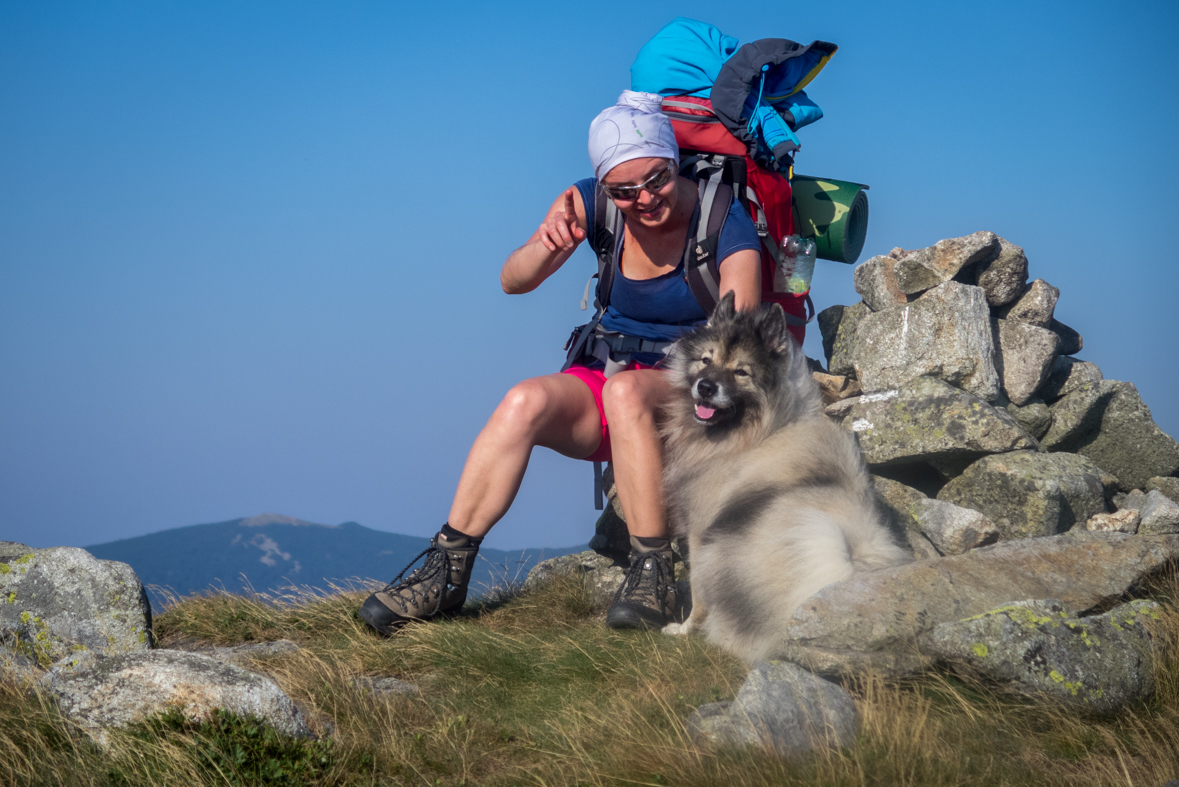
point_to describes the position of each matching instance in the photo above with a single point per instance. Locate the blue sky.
(249, 253)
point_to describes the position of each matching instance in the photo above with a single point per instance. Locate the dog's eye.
(740, 373)
(705, 360)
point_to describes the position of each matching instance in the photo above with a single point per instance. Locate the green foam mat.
(834, 213)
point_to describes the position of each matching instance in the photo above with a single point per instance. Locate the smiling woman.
(603, 404)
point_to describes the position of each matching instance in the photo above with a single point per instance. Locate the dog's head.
(733, 370)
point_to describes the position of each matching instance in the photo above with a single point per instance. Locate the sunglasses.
(651, 184)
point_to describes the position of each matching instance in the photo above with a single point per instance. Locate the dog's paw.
(676, 629)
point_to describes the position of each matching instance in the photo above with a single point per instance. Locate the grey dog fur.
(774, 500)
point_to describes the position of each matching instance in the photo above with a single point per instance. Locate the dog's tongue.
(704, 413)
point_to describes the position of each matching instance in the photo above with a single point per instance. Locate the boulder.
(1029, 494)
(602, 574)
(838, 326)
(946, 333)
(898, 503)
(923, 269)
(1159, 514)
(121, 690)
(872, 620)
(1097, 664)
(244, 654)
(952, 529)
(876, 282)
(60, 600)
(1168, 486)
(1026, 356)
(1076, 417)
(783, 709)
(835, 387)
(1126, 441)
(1034, 417)
(927, 418)
(1071, 342)
(1125, 521)
(1037, 305)
(1004, 278)
(1067, 375)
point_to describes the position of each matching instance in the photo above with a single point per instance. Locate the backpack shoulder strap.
(714, 196)
(604, 238)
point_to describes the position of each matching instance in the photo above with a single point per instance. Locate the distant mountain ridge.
(270, 551)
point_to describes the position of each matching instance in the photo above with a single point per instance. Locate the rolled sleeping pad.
(834, 213)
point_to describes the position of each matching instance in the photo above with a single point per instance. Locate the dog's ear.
(725, 311)
(771, 323)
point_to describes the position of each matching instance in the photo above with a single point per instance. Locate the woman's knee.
(525, 406)
(626, 398)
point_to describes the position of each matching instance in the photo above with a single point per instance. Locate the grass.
(534, 690)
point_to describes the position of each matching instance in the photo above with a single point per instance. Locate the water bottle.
(800, 254)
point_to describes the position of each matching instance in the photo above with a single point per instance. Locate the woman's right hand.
(560, 230)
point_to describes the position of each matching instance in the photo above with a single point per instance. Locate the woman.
(579, 412)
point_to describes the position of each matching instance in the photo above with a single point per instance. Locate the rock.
(1034, 417)
(1026, 356)
(602, 574)
(838, 326)
(954, 530)
(1134, 500)
(835, 387)
(1159, 515)
(946, 333)
(783, 709)
(872, 620)
(252, 650)
(924, 269)
(11, 549)
(1029, 494)
(876, 282)
(385, 685)
(1067, 375)
(1076, 417)
(1125, 521)
(1004, 278)
(1097, 664)
(1037, 305)
(1126, 441)
(1167, 486)
(62, 599)
(121, 690)
(927, 418)
(1071, 342)
(898, 503)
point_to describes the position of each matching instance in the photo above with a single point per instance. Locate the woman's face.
(652, 206)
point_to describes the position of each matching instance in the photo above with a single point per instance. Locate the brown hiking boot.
(439, 587)
(647, 597)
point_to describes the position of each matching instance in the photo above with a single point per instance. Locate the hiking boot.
(647, 598)
(439, 587)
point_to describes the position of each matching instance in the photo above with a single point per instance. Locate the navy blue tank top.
(664, 308)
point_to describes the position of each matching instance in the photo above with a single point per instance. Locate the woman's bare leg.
(556, 411)
(631, 399)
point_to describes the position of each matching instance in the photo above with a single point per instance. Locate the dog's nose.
(706, 388)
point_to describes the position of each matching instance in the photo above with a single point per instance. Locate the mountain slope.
(271, 551)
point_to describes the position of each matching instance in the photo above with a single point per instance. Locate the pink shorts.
(596, 380)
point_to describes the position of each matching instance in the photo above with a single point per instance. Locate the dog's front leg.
(694, 621)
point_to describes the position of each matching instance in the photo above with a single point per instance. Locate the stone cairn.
(1037, 497)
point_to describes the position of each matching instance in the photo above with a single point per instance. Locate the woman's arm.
(562, 230)
(741, 273)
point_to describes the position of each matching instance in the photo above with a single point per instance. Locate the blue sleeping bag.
(749, 86)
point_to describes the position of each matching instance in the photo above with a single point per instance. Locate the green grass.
(534, 690)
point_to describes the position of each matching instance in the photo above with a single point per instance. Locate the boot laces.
(649, 588)
(422, 580)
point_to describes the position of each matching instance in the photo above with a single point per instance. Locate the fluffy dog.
(775, 500)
